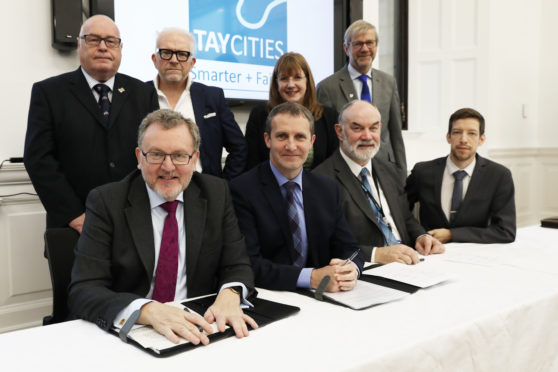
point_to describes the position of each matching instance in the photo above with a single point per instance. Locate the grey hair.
(357, 28)
(180, 31)
(169, 119)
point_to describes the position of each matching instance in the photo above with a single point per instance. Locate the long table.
(499, 313)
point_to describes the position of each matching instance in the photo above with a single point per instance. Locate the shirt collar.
(281, 180)
(156, 200)
(156, 83)
(354, 166)
(354, 74)
(92, 82)
(451, 167)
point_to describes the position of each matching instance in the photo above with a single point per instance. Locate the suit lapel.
(195, 209)
(197, 103)
(80, 89)
(437, 177)
(312, 200)
(475, 184)
(277, 204)
(347, 86)
(352, 185)
(138, 216)
(120, 95)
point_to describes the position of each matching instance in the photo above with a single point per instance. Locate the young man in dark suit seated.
(464, 197)
(372, 195)
(292, 220)
(159, 235)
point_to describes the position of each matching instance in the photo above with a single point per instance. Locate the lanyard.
(371, 197)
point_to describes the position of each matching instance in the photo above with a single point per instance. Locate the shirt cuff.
(244, 304)
(304, 278)
(125, 313)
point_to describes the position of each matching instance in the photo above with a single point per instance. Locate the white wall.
(26, 57)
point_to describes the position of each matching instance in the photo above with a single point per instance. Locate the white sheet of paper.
(366, 294)
(421, 275)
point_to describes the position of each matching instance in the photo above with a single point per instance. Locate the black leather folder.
(264, 312)
(551, 222)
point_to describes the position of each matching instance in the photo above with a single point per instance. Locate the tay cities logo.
(251, 31)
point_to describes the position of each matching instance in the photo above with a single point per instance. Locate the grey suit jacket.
(487, 212)
(357, 209)
(115, 257)
(338, 89)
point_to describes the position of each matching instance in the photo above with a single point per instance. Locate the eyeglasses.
(369, 44)
(155, 157)
(181, 55)
(93, 40)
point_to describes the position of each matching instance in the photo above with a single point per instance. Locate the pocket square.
(210, 115)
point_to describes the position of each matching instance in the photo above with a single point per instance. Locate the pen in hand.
(350, 259)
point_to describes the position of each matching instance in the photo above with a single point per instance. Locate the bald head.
(99, 61)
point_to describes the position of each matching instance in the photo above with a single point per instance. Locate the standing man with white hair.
(205, 105)
(82, 125)
(358, 80)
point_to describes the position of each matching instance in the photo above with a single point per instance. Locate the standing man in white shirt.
(205, 105)
(345, 85)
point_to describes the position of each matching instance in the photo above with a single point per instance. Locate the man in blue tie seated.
(358, 80)
(373, 199)
(292, 220)
(464, 197)
(163, 233)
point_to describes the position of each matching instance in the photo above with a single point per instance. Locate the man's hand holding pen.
(343, 274)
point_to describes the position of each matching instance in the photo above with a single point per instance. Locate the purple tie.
(167, 266)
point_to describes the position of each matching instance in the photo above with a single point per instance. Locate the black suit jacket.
(68, 149)
(358, 211)
(115, 253)
(487, 212)
(262, 216)
(218, 129)
(326, 138)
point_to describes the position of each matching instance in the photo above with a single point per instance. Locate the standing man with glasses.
(205, 105)
(358, 80)
(161, 234)
(82, 125)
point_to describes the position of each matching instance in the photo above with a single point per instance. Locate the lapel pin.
(121, 90)
(350, 95)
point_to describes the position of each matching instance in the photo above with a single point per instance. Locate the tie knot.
(290, 186)
(102, 89)
(363, 78)
(170, 207)
(459, 175)
(363, 173)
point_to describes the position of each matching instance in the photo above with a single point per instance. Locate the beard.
(360, 155)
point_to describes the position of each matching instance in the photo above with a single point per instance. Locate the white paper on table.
(420, 275)
(366, 294)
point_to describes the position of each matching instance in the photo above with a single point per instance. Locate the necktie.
(294, 223)
(389, 238)
(457, 193)
(167, 266)
(365, 93)
(104, 102)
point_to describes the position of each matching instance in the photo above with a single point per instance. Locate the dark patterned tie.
(365, 93)
(389, 238)
(167, 266)
(104, 102)
(457, 195)
(294, 223)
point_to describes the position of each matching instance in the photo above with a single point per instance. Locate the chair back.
(59, 246)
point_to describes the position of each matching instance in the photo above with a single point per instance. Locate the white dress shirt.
(355, 169)
(448, 181)
(357, 83)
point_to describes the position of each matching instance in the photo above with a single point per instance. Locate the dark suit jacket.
(487, 212)
(338, 89)
(262, 217)
(115, 253)
(326, 138)
(68, 150)
(358, 211)
(218, 129)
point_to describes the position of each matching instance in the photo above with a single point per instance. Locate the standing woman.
(292, 81)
